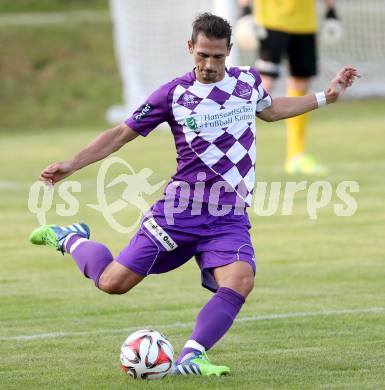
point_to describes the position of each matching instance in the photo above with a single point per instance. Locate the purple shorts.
(159, 247)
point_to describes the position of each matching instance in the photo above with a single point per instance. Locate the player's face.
(209, 56)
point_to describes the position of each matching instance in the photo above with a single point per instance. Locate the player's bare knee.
(242, 284)
(118, 279)
(108, 288)
(245, 285)
(112, 286)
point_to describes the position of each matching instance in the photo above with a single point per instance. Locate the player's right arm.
(145, 119)
(102, 146)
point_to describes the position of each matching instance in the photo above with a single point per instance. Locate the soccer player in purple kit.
(211, 111)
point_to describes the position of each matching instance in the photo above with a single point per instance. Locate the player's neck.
(220, 78)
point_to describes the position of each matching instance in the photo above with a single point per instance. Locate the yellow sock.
(296, 129)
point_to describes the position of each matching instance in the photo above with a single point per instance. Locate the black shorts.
(299, 49)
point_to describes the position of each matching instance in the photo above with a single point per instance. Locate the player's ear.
(190, 46)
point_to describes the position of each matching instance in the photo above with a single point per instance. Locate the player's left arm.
(287, 107)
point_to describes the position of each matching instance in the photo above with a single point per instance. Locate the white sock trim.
(77, 243)
(193, 344)
(63, 246)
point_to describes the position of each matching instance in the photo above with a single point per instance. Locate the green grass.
(304, 266)
(57, 75)
(7, 6)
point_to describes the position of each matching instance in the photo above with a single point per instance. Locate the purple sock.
(91, 257)
(214, 320)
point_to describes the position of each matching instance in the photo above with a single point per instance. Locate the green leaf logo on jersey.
(192, 124)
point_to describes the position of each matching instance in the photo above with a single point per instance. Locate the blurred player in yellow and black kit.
(287, 28)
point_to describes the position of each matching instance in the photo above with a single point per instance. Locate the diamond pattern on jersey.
(243, 90)
(223, 165)
(224, 141)
(199, 145)
(219, 126)
(189, 100)
(218, 96)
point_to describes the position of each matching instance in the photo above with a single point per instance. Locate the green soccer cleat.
(305, 165)
(54, 236)
(196, 363)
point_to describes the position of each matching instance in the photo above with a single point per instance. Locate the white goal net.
(151, 45)
(362, 45)
(150, 42)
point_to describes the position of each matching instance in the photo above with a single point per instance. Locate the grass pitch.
(315, 320)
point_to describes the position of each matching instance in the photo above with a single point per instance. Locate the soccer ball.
(248, 33)
(146, 354)
(245, 33)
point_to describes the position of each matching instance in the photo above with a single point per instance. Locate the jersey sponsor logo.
(192, 124)
(244, 90)
(157, 231)
(221, 119)
(189, 100)
(144, 110)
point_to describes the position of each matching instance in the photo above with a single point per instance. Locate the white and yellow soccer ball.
(245, 33)
(248, 33)
(332, 32)
(146, 354)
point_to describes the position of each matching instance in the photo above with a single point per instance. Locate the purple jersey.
(214, 131)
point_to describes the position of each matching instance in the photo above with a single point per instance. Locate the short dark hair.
(212, 26)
